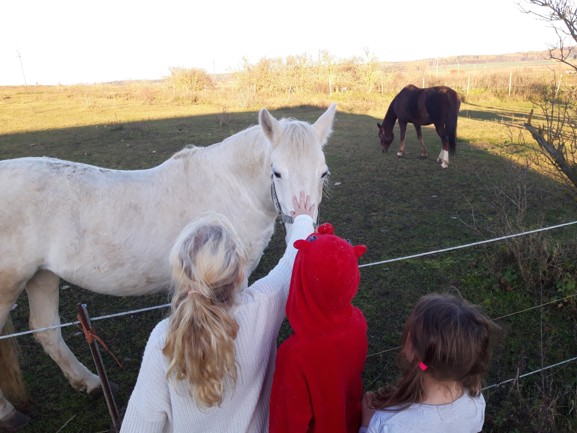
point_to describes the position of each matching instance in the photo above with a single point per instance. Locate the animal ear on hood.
(359, 250)
(300, 244)
(326, 229)
(323, 229)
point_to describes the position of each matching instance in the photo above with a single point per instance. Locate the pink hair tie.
(423, 366)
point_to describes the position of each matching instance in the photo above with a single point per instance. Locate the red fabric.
(317, 385)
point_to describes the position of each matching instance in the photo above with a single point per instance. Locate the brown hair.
(452, 338)
(207, 263)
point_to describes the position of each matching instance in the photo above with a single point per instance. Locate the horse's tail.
(13, 385)
(454, 105)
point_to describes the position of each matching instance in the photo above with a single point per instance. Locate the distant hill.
(528, 56)
(533, 60)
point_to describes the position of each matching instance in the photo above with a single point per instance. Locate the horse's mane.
(299, 133)
(244, 151)
(253, 141)
(390, 116)
(249, 135)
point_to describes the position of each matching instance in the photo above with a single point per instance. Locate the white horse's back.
(84, 223)
(110, 231)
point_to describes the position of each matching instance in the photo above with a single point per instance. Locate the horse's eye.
(276, 174)
(324, 174)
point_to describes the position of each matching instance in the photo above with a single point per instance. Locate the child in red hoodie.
(317, 385)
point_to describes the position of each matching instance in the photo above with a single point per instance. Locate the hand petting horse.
(432, 105)
(110, 231)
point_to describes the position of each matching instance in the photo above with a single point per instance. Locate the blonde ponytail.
(207, 261)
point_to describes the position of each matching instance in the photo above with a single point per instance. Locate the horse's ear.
(324, 124)
(269, 124)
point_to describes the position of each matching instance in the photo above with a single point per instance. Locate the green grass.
(397, 207)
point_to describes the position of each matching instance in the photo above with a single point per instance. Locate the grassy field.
(397, 207)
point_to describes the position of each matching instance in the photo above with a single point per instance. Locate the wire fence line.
(413, 256)
(555, 301)
(501, 238)
(92, 319)
(516, 378)
(472, 244)
(443, 250)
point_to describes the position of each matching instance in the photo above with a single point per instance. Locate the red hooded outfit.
(317, 385)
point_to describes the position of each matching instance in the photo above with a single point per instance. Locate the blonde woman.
(208, 367)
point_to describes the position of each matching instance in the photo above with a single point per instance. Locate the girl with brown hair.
(446, 349)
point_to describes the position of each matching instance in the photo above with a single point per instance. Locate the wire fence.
(378, 263)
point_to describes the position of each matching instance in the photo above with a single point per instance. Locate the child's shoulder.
(466, 414)
(159, 332)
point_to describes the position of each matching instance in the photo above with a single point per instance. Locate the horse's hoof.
(400, 154)
(444, 165)
(424, 156)
(14, 422)
(99, 392)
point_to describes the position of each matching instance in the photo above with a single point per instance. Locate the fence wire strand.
(413, 256)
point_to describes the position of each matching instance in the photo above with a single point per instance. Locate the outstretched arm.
(279, 276)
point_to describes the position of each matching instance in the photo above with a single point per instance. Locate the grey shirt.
(464, 415)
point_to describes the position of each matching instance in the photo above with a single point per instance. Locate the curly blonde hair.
(207, 262)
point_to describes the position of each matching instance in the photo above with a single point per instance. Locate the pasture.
(398, 207)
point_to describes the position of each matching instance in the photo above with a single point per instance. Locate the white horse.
(110, 231)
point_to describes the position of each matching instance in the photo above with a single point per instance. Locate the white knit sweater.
(158, 405)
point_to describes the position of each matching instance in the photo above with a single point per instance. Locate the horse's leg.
(43, 297)
(424, 153)
(443, 157)
(403, 128)
(10, 374)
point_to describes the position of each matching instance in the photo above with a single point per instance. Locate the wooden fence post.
(92, 343)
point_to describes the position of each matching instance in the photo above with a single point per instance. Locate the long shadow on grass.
(396, 206)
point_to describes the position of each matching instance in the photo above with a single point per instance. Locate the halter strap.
(286, 219)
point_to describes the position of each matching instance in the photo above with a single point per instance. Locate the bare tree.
(557, 137)
(562, 15)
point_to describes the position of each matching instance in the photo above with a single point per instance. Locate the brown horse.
(432, 105)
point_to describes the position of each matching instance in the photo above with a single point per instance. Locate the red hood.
(325, 279)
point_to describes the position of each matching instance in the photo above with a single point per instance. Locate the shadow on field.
(396, 206)
(494, 114)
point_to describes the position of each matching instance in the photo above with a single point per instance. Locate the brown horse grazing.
(432, 105)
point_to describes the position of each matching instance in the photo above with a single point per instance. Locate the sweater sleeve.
(148, 407)
(279, 276)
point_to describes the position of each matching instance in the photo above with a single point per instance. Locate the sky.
(74, 41)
